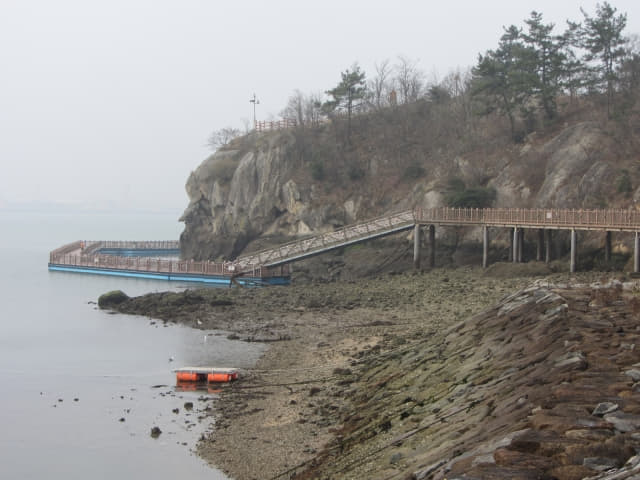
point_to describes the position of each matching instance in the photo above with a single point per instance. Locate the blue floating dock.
(152, 260)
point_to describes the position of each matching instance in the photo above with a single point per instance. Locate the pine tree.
(601, 36)
(502, 80)
(629, 83)
(549, 62)
(348, 94)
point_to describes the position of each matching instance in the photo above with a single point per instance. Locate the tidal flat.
(418, 374)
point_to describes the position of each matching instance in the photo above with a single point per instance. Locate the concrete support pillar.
(547, 246)
(485, 246)
(516, 245)
(607, 247)
(540, 245)
(574, 253)
(417, 238)
(521, 245)
(432, 246)
(512, 246)
(636, 253)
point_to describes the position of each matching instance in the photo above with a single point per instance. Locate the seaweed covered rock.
(111, 299)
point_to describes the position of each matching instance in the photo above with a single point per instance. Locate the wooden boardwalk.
(270, 264)
(514, 218)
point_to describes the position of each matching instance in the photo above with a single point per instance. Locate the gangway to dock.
(325, 242)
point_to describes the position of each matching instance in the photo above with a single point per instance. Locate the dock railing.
(65, 249)
(139, 245)
(74, 255)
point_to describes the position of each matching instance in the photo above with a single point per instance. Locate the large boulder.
(111, 299)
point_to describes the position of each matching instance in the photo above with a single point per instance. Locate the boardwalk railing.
(266, 125)
(626, 220)
(374, 228)
(65, 249)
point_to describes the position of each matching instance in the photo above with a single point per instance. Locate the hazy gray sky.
(111, 102)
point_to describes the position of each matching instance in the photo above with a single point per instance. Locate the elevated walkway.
(626, 220)
(517, 219)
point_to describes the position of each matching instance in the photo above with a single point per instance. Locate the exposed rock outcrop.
(540, 386)
(245, 191)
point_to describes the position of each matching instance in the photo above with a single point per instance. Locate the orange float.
(187, 376)
(218, 377)
(206, 374)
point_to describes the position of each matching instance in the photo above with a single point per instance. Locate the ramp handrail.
(325, 241)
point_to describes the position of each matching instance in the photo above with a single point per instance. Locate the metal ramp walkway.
(349, 235)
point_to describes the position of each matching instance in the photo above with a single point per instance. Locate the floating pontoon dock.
(206, 374)
(157, 260)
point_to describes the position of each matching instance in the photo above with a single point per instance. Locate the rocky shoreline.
(424, 375)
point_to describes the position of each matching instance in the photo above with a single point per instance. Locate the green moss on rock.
(110, 299)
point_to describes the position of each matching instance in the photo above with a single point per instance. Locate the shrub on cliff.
(459, 196)
(474, 197)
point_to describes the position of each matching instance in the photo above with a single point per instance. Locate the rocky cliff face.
(233, 195)
(264, 185)
(571, 170)
(248, 190)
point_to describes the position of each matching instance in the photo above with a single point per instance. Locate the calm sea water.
(56, 347)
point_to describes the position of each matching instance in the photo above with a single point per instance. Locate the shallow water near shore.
(82, 388)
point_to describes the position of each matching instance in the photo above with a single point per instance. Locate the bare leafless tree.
(294, 109)
(313, 109)
(304, 109)
(381, 84)
(220, 138)
(410, 80)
